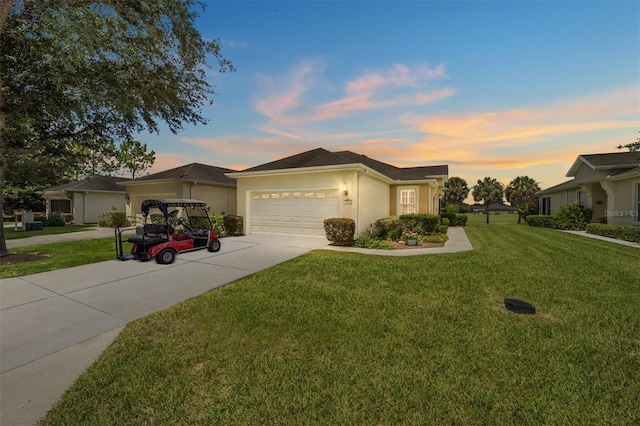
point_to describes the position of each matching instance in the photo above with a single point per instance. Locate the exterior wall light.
(345, 190)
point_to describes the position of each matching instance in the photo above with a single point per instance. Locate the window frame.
(546, 206)
(415, 202)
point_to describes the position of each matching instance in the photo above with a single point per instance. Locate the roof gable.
(97, 183)
(321, 157)
(191, 172)
(614, 160)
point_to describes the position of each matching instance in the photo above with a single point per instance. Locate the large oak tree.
(110, 69)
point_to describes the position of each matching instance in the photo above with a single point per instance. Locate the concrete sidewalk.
(58, 238)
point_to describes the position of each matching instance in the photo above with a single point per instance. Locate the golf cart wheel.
(166, 257)
(214, 246)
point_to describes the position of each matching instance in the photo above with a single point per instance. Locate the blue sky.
(498, 89)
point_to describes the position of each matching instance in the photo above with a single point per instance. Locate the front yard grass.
(11, 234)
(62, 255)
(344, 338)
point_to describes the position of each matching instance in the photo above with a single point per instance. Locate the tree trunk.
(487, 212)
(519, 218)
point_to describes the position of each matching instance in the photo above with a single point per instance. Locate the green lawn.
(342, 338)
(62, 255)
(11, 234)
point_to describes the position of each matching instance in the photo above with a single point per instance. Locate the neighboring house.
(87, 199)
(493, 208)
(196, 181)
(296, 194)
(609, 184)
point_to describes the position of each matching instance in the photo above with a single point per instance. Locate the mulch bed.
(13, 259)
(402, 246)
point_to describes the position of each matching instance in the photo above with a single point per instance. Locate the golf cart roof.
(165, 203)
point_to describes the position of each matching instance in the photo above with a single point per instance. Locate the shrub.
(461, 220)
(340, 231)
(54, 219)
(444, 221)
(435, 238)
(442, 229)
(68, 218)
(387, 229)
(540, 220)
(422, 223)
(233, 224)
(625, 233)
(572, 216)
(113, 218)
(218, 224)
(364, 241)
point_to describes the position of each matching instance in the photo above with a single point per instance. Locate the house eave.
(169, 180)
(302, 170)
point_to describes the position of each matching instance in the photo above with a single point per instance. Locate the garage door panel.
(292, 212)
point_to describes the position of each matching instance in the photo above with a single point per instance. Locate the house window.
(408, 201)
(546, 205)
(62, 206)
(581, 198)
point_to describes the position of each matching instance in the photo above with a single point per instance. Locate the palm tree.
(521, 193)
(456, 191)
(488, 190)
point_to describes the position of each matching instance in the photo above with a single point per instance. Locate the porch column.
(608, 187)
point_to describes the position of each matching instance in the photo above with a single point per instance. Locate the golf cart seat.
(152, 234)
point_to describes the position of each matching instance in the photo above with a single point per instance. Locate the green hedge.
(540, 220)
(234, 225)
(340, 231)
(625, 233)
(422, 223)
(113, 218)
(455, 219)
(572, 217)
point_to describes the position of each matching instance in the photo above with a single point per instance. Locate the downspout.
(84, 206)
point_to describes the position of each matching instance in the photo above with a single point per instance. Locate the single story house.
(609, 184)
(196, 181)
(493, 208)
(86, 199)
(296, 194)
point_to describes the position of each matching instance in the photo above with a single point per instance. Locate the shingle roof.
(570, 184)
(613, 160)
(97, 183)
(192, 172)
(321, 157)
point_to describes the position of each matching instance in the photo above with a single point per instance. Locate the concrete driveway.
(53, 325)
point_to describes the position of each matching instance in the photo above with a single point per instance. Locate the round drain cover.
(519, 307)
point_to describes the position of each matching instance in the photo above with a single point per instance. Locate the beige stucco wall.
(623, 209)
(587, 174)
(374, 201)
(427, 197)
(218, 198)
(560, 198)
(88, 207)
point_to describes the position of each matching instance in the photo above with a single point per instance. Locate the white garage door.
(292, 212)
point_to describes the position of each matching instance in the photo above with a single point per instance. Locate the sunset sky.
(498, 89)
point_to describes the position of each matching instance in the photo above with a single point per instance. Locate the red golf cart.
(176, 226)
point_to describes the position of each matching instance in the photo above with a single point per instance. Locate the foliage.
(422, 223)
(454, 219)
(488, 190)
(435, 238)
(521, 194)
(113, 218)
(540, 220)
(218, 224)
(625, 233)
(408, 235)
(461, 219)
(387, 229)
(632, 147)
(442, 229)
(134, 157)
(365, 241)
(456, 191)
(340, 231)
(94, 156)
(572, 216)
(444, 221)
(54, 219)
(110, 69)
(234, 225)
(23, 197)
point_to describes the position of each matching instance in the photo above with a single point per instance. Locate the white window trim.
(399, 204)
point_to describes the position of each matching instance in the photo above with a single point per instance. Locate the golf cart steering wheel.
(180, 221)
